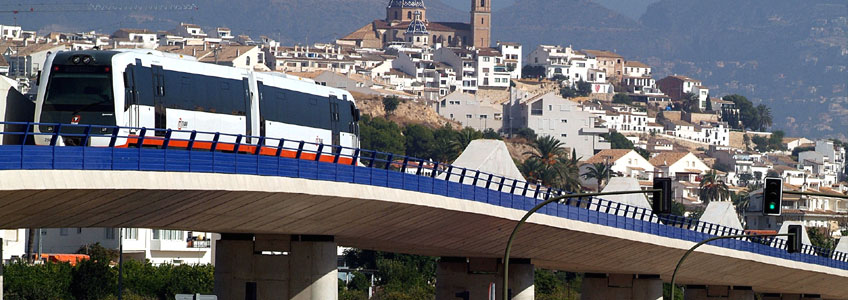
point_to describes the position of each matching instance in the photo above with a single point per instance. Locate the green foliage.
(549, 164)
(526, 133)
(618, 140)
(532, 72)
(381, 135)
(753, 117)
(554, 285)
(464, 137)
(442, 150)
(678, 292)
(419, 141)
(400, 276)
(390, 103)
(691, 103)
(713, 188)
(622, 98)
(820, 238)
(598, 171)
(709, 103)
(583, 88)
(678, 209)
(37, 282)
(99, 253)
(798, 150)
(568, 92)
(91, 279)
(490, 134)
(772, 143)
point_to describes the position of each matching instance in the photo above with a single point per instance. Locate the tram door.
(334, 120)
(159, 99)
(130, 97)
(247, 115)
(259, 88)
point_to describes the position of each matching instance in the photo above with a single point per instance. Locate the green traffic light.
(771, 205)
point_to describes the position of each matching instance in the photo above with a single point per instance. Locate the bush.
(622, 98)
(93, 280)
(525, 132)
(48, 281)
(491, 134)
(390, 104)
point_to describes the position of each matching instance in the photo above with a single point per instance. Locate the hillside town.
(610, 113)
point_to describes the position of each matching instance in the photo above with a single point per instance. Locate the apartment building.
(472, 111)
(549, 114)
(159, 246)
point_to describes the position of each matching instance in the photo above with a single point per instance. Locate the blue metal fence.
(299, 159)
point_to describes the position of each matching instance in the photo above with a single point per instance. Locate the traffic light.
(772, 196)
(662, 201)
(793, 242)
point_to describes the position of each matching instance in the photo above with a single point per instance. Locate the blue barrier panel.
(10, 158)
(361, 175)
(246, 164)
(125, 159)
(467, 191)
(97, 158)
(224, 163)
(481, 194)
(440, 187)
(344, 173)
(268, 165)
(68, 158)
(425, 184)
(410, 182)
(326, 171)
(454, 190)
(200, 161)
(177, 160)
(395, 180)
(288, 167)
(151, 160)
(493, 197)
(307, 169)
(36, 157)
(379, 177)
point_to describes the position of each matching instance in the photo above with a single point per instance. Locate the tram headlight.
(86, 60)
(76, 59)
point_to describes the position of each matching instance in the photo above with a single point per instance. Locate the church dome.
(417, 26)
(406, 3)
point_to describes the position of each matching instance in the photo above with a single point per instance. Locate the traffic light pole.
(539, 206)
(674, 275)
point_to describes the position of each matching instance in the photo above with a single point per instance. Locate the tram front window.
(78, 98)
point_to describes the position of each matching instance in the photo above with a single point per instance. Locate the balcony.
(199, 244)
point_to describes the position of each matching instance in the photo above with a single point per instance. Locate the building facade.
(158, 246)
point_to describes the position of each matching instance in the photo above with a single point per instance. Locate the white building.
(623, 162)
(14, 244)
(827, 161)
(683, 166)
(135, 38)
(637, 77)
(156, 245)
(550, 114)
(511, 58)
(472, 111)
(10, 32)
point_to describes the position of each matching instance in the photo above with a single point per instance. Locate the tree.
(381, 135)
(747, 139)
(533, 72)
(526, 133)
(764, 118)
(691, 103)
(568, 92)
(584, 88)
(745, 178)
(622, 98)
(618, 140)
(442, 139)
(709, 103)
(463, 138)
(546, 149)
(418, 140)
(490, 134)
(747, 113)
(390, 103)
(713, 188)
(598, 171)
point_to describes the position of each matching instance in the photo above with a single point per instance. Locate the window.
(563, 135)
(131, 233)
(468, 116)
(63, 231)
(409, 15)
(484, 117)
(482, 3)
(564, 121)
(498, 116)
(486, 59)
(79, 230)
(159, 234)
(109, 233)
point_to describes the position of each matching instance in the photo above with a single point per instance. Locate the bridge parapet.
(132, 149)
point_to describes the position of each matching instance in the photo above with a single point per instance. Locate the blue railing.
(168, 150)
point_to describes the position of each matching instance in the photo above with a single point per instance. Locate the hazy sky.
(631, 8)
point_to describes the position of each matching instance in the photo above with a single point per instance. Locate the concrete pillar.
(718, 292)
(621, 286)
(475, 276)
(275, 267)
(1, 269)
(314, 268)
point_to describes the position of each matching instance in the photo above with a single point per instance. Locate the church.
(406, 22)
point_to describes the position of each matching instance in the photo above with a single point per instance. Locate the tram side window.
(144, 85)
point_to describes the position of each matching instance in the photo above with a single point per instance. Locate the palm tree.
(713, 188)
(547, 149)
(569, 174)
(692, 102)
(464, 137)
(598, 171)
(764, 117)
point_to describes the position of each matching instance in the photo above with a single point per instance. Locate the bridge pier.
(621, 286)
(457, 275)
(296, 267)
(716, 292)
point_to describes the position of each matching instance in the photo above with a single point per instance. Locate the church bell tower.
(481, 23)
